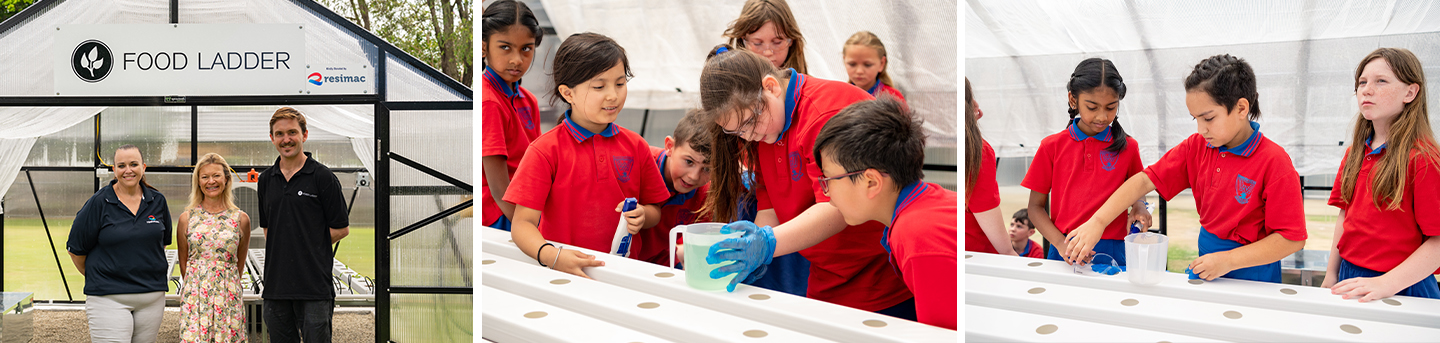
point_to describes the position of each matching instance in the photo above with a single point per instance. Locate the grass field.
(30, 265)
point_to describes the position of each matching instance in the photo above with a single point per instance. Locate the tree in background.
(8, 8)
(438, 32)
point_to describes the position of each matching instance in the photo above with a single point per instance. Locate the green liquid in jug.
(697, 272)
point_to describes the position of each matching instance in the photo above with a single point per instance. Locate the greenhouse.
(397, 135)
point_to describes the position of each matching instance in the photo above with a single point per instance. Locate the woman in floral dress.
(216, 237)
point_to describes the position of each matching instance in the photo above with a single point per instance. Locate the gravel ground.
(71, 326)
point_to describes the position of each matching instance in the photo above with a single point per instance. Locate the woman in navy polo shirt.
(118, 243)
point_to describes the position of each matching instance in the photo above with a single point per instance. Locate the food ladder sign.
(180, 59)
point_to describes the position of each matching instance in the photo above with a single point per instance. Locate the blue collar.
(675, 199)
(1077, 135)
(796, 80)
(1246, 149)
(510, 89)
(873, 88)
(907, 196)
(1375, 150)
(580, 134)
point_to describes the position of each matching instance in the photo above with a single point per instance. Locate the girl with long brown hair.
(767, 28)
(1388, 187)
(984, 224)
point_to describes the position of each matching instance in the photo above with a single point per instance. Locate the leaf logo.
(91, 61)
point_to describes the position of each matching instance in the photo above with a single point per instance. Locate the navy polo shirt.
(299, 214)
(124, 252)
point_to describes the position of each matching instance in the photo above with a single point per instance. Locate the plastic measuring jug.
(698, 239)
(1146, 255)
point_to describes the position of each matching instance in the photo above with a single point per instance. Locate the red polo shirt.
(1243, 194)
(921, 241)
(678, 209)
(983, 197)
(882, 88)
(1033, 249)
(1080, 175)
(1380, 239)
(848, 268)
(576, 178)
(510, 120)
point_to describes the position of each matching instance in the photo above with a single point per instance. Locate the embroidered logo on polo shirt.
(1107, 160)
(684, 217)
(622, 167)
(303, 194)
(795, 173)
(525, 118)
(152, 220)
(1243, 188)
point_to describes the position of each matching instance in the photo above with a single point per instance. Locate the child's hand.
(1140, 216)
(1366, 288)
(572, 261)
(1212, 265)
(1080, 243)
(635, 219)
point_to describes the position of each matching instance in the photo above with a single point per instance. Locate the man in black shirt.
(302, 210)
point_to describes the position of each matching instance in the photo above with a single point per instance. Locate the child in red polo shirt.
(1020, 231)
(1388, 238)
(510, 113)
(865, 61)
(577, 174)
(777, 115)
(1091, 157)
(1246, 189)
(683, 164)
(871, 157)
(984, 226)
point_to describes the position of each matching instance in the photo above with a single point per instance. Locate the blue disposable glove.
(752, 251)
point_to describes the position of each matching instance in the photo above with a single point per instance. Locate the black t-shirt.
(299, 214)
(124, 252)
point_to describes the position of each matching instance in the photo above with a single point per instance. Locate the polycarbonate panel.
(162, 133)
(240, 134)
(440, 140)
(71, 147)
(439, 254)
(405, 83)
(432, 318)
(30, 262)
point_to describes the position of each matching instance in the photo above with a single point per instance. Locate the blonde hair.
(1411, 130)
(867, 39)
(754, 15)
(197, 196)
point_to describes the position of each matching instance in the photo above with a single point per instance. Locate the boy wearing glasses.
(871, 155)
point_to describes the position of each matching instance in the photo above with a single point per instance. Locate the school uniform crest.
(1243, 188)
(622, 167)
(684, 217)
(1107, 160)
(526, 117)
(795, 173)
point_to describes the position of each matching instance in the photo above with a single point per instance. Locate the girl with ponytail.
(1093, 155)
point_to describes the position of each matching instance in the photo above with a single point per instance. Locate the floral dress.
(212, 309)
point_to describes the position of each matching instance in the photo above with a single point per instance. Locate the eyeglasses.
(748, 123)
(773, 45)
(825, 182)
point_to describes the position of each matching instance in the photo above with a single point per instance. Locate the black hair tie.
(537, 254)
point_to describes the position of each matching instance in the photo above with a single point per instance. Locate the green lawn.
(30, 265)
(1179, 259)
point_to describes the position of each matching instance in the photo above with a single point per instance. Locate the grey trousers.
(133, 317)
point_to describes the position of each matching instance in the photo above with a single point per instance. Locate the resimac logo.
(317, 79)
(91, 61)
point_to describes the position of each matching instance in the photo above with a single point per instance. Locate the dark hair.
(502, 14)
(583, 56)
(1227, 79)
(876, 134)
(142, 158)
(1024, 214)
(973, 141)
(731, 79)
(1093, 73)
(692, 130)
